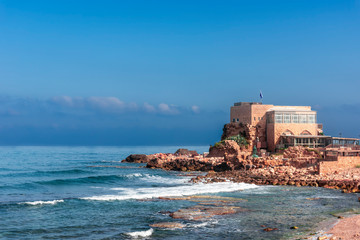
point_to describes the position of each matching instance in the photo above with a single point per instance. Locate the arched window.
(305, 132)
(287, 133)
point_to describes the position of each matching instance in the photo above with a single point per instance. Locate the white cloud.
(163, 107)
(195, 109)
(106, 102)
(63, 100)
(168, 109)
(149, 108)
(115, 105)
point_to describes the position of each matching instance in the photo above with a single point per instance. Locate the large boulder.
(136, 158)
(231, 152)
(186, 152)
(225, 148)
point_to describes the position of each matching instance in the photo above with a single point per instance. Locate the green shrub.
(239, 139)
(218, 144)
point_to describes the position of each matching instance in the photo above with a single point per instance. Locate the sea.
(88, 193)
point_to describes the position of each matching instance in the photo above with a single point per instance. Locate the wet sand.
(346, 229)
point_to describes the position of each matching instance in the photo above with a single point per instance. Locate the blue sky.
(166, 72)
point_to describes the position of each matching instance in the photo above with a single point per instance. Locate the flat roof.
(320, 136)
(247, 103)
(306, 136)
(289, 109)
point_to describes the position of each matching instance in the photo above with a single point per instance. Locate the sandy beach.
(346, 229)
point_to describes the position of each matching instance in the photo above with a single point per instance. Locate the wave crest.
(53, 202)
(183, 190)
(141, 234)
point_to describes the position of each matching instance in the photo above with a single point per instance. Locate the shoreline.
(345, 228)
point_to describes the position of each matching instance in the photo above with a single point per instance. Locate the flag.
(261, 95)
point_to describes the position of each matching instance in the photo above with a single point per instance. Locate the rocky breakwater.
(229, 160)
(136, 158)
(225, 155)
(299, 168)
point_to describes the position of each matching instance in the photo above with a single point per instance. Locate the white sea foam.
(183, 190)
(53, 202)
(157, 179)
(199, 225)
(134, 175)
(141, 234)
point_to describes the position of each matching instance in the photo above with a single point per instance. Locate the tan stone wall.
(258, 114)
(258, 119)
(252, 114)
(342, 163)
(243, 113)
(270, 137)
(275, 130)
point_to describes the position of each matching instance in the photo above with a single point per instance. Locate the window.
(311, 118)
(254, 118)
(259, 118)
(294, 118)
(302, 118)
(278, 118)
(237, 120)
(287, 118)
(233, 119)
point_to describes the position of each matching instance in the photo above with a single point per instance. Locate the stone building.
(284, 126)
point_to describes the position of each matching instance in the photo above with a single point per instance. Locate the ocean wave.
(53, 202)
(141, 234)
(164, 180)
(203, 224)
(183, 190)
(45, 173)
(88, 179)
(60, 172)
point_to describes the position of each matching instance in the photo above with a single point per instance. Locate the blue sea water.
(87, 193)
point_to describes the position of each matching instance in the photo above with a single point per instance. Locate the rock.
(186, 152)
(322, 238)
(270, 229)
(167, 225)
(136, 158)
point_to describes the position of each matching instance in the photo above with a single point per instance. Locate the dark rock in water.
(183, 151)
(168, 225)
(136, 158)
(185, 164)
(270, 229)
(225, 166)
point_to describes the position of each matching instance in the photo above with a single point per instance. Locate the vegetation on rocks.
(239, 139)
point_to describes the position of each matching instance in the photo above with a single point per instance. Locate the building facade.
(283, 126)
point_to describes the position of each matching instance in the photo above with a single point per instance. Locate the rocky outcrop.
(185, 164)
(225, 148)
(207, 207)
(185, 152)
(245, 130)
(168, 225)
(136, 158)
(282, 176)
(233, 129)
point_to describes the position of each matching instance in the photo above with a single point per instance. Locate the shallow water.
(81, 193)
